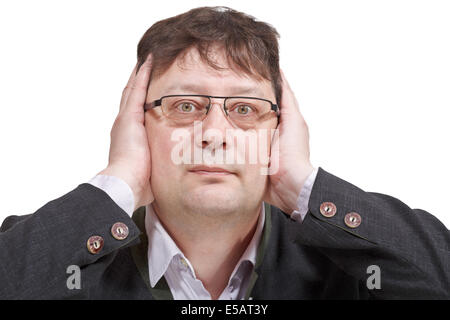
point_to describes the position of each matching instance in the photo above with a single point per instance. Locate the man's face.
(186, 186)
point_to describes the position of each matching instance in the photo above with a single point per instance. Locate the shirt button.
(119, 231)
(328, 209)
(183, 262)
(352, 220)
(95, 244)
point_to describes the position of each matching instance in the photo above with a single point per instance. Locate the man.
(169, 218)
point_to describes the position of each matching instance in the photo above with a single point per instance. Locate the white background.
(372, 79)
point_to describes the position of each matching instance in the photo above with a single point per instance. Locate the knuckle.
(306, 128)
(117, 122)
(126, 90)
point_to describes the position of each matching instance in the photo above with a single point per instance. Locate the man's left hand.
(289, 154)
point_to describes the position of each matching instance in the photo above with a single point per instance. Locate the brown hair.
(250, 46)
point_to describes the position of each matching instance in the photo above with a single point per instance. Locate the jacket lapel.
(162, 291)
(261, 249)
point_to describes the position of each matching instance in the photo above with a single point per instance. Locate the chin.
(212, 201)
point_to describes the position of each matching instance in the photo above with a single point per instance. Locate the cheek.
(159, 140)
(160, 151)
(257, 158)
(258, 150)
(254, 178)
(253, 182)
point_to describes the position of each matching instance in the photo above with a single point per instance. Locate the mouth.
(212, 171)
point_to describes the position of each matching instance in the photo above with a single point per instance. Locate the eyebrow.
(193, 88)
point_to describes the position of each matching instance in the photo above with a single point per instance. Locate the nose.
(214, 127)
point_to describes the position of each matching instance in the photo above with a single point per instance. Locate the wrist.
(117, 189)
(295, 187)
(124, 175)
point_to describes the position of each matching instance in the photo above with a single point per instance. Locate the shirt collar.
(162, 249)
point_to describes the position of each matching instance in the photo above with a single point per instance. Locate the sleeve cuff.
(117, 189)
(303, 199)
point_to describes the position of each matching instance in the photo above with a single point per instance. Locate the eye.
(186, 107)
(243, 109)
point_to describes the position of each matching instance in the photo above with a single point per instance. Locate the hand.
(289, 153)
(129, 152)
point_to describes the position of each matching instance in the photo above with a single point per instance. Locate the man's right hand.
(129, 152)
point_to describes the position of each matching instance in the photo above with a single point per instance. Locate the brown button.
(95, 244)
(352, 220)
(119, 230)
(328, 209)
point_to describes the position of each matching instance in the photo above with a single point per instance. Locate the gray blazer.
(385, 251)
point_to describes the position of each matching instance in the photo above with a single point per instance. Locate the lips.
(210, 170)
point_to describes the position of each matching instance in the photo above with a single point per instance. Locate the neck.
(213, 245)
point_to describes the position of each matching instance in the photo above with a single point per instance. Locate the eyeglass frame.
(157, 103)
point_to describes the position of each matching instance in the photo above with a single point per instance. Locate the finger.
(127, 89)
(285, 82)
(138, 93)
(289, 103)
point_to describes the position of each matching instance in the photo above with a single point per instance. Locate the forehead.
(191, 74)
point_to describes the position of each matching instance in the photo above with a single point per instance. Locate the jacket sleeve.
(37, 249)
(397, 252)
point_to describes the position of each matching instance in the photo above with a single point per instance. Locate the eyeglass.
(244, 112)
